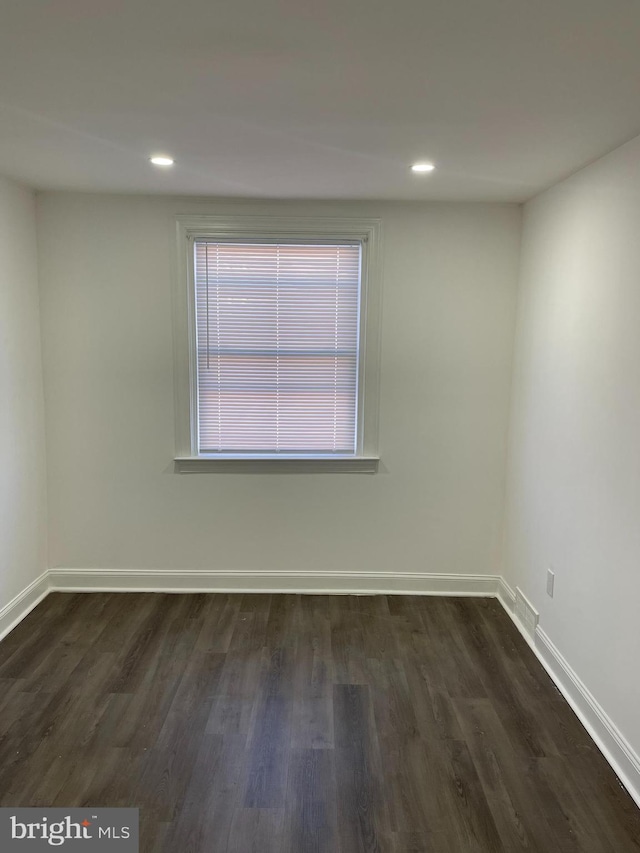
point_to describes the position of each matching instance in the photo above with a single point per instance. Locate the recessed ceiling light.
(422, 167)
(161, 160)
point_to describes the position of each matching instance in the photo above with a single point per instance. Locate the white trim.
(279, 465)
(317, 582)
(606, 735)
(506, 596)
(15, 611)
(526, 613)
(365, 230)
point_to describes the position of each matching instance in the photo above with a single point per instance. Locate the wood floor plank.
(363, 819)
(480, 741)
(218, 620)
(269, 743)
(234, 706)
(500, 766)
(617, 815)
(311, 807)
(256, 831)
(302, 724)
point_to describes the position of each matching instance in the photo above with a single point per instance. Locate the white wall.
(574, 470)
(22, 448)
(436, 506)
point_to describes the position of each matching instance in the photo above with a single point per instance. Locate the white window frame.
(191, 228)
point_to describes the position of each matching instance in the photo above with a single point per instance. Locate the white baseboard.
(607, 737)
(15, 611)
(318, 582)
(506, 596)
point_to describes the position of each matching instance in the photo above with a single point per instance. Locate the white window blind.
(277, 328)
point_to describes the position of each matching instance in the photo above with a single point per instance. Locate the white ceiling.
(315, 98)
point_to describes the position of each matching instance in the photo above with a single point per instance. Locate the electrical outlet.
(551, 578)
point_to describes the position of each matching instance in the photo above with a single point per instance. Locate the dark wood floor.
(303, 724)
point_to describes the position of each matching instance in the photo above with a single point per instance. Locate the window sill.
(276, 464)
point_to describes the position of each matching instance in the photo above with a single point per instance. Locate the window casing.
(276, 344)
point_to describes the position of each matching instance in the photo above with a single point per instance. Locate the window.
(276, 344)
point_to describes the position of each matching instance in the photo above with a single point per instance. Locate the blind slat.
(277, 330)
